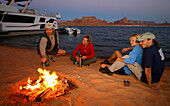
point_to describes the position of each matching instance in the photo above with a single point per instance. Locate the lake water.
(106, 39)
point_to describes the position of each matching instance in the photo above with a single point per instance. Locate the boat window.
(42, 20)
(16, 18)
(51, 20)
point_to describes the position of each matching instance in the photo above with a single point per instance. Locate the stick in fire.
(47, 86)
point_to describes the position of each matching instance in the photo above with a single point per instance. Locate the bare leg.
(115, 55)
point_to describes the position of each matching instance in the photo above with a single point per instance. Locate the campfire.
(47, 86)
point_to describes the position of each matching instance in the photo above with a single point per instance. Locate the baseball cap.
(49, 25)
(147, 35)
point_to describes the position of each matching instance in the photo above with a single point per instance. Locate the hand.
(44, 59)
(77, 58)
(84, 57)
(155, 88)
(124, 50)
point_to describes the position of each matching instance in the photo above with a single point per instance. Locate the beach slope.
(17, 64)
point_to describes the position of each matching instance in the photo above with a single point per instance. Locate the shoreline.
(167, 61)
(118, 25)
(99, 89)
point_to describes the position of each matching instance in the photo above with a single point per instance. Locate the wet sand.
(17, 64)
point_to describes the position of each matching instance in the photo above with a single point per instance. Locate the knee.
(64, 52)
(117, 52)
(61, 52)
(102, 65)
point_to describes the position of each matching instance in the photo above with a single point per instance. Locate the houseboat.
(14, 21)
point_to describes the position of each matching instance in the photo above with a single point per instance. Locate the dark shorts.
(53, 52)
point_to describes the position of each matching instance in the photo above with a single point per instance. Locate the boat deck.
(19, 33)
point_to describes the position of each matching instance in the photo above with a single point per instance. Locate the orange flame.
(46, 80)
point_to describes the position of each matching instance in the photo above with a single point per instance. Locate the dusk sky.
(109, 10)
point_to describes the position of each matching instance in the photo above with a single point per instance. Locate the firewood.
(75, 82)
(47, 95)
(40, 96)
(56, 90)
(30, 93)
(64, 84)
(32, 97)
(59, 91)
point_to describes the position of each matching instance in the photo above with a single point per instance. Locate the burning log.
(42, 95)
(47, 86)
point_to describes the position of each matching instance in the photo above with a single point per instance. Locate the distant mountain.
(90, 20)
(125, 21)
(85, 20)
(93, 21)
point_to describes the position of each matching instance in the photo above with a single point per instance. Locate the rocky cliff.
(131, 22)
(86, 20)
(93, 21)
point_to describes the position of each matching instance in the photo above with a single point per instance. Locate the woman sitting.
(86, 51)
(122, 64)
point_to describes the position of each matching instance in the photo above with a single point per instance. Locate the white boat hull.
(36, 25)
(31, 20)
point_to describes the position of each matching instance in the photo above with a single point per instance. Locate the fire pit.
(47, 86)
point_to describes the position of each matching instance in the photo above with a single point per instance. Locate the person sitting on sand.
(153, 60)
(86, 51)
(49, 45)
(122, 64)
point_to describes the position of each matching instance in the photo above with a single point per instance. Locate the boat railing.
(42, 13)
(8, 8)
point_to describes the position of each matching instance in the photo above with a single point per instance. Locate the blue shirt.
(134, 56)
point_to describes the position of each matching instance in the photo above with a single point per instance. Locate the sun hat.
(49, 25)
(147, 35)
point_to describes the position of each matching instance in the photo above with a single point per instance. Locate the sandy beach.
(100, 89)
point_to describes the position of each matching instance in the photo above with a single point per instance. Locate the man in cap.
(153, 63)
(49, 45)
